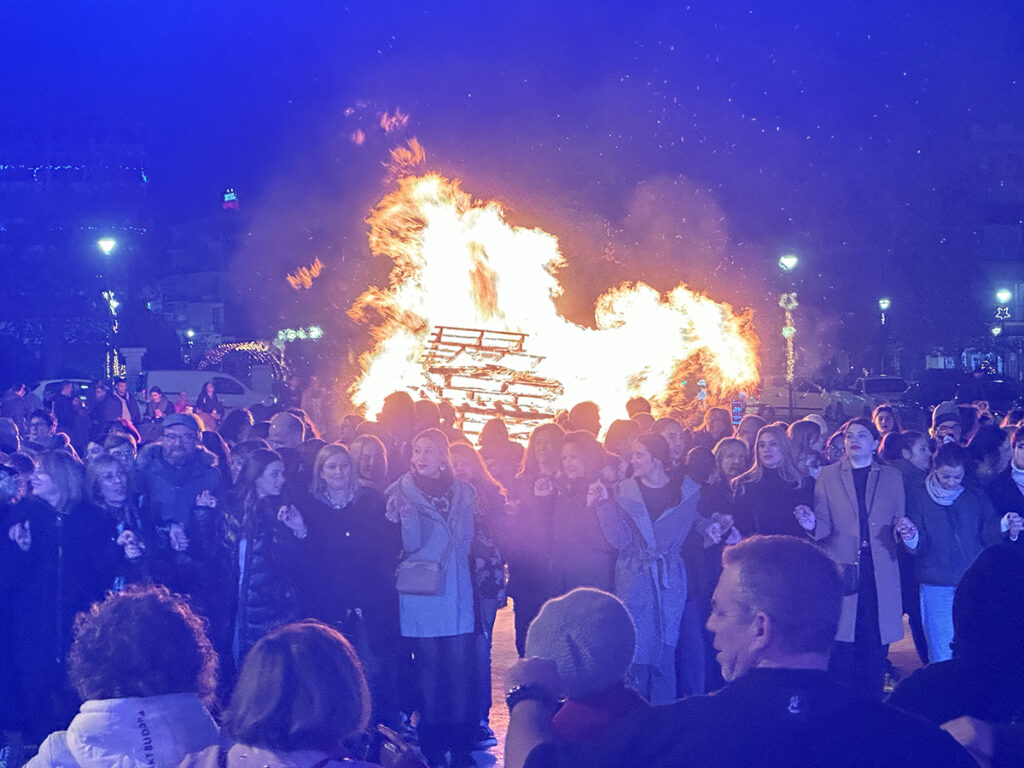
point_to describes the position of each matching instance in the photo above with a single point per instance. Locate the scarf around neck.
(940, 495)
(1018, 476)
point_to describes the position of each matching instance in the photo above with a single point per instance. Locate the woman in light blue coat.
(436, 514)
(647, 521)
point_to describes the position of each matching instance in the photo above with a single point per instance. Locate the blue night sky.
(665, 140)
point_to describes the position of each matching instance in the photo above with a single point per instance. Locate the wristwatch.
(529, 692)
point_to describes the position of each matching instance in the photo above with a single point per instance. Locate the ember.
(469, 316)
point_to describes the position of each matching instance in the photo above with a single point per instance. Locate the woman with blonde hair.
(348, 579)
(435, 603)
(767, 494)
(370, 458)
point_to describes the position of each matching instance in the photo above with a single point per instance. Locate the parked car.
(877, 390)
(835, 406)
(49, 388)
(232, 392)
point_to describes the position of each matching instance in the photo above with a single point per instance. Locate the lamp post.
(788, 302)
(113, 366)
(883, 306)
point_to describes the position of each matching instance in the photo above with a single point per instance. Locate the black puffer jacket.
(266, 557)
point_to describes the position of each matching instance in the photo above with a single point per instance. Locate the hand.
(206, 499)
(1014, 524)
(131, 544)
(973, 735)
(20, 534)
(724, 519)
(400, 508)
(805, 517)
(158, 414)
(179, 540)
(292, 518)
(906, 529)
(714, 532)
(543, 486)
(534, 671)
(734, 537)
(596, 493)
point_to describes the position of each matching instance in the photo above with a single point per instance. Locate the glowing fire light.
(304, 276)
(459, 265)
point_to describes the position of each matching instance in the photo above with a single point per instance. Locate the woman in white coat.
(436, 606)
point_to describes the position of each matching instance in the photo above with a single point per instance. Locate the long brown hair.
(787, 469)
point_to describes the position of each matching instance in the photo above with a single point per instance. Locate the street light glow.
(884, 304)
(190, 333)
(788, 261)
(1003, 296)
(106, 244)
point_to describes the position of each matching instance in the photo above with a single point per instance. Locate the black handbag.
(849, 577)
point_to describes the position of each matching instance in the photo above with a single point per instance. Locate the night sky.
(668, 141)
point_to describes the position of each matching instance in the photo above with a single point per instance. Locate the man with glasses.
(179, 484)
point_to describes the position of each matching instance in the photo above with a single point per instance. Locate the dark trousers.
(488, 609)
(525, 610)
(446, 670)
(860, 665)
(691, 663)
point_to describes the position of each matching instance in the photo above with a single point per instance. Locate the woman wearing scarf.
(955, 524)
(436, 606)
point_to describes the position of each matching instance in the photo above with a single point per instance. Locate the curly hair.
(142, 642)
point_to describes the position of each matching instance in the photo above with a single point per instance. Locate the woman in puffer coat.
(145, 669)
(267, 536)
(436, 514)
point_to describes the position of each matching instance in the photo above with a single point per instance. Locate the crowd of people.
(384, 556)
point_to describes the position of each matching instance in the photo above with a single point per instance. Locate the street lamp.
(106, 244)
(787, 262)
(1003, 296)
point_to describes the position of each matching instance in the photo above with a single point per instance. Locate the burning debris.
(489, 373)
(468, 290)
(304, 276)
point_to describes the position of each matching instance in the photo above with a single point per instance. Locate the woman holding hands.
(860, 520)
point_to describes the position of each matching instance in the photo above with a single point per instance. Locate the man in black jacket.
(774, 615)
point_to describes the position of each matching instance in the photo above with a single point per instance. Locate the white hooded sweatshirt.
(152, 732)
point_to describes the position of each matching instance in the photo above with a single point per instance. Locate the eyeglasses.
(181, 439)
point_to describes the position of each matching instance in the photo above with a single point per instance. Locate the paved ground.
(503, 656)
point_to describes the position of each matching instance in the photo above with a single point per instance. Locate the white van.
(232, 392)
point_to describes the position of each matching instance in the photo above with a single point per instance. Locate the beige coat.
(838, 530)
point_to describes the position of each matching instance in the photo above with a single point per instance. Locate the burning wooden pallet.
(485, 374)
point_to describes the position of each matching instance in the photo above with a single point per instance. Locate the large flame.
(459, 264)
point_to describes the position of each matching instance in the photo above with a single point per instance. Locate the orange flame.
(304, 276)
(392, 123)
(459, 264)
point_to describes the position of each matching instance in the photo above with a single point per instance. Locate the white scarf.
(1018, 476)
(940, 495)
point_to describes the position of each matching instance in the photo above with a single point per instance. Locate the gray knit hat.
(945, 411)
(590, 636)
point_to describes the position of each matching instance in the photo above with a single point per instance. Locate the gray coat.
(649, 574)
(425, 536)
